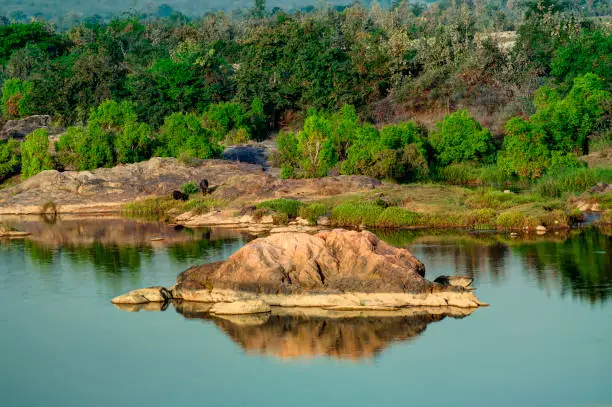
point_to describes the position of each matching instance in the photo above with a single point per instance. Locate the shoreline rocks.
(335, 269)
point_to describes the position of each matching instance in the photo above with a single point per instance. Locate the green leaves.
(460, 138)
(35, 155)
(17, 98)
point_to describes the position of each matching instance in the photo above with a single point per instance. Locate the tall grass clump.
(459, 174)
(202, 205)
(313, 211)
(395, 217)
(151, 208)
(572, 181)
(488, 198)
(289, 207)
(514, 220)
(355, 214)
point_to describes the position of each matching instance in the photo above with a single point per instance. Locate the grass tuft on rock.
(289, 207)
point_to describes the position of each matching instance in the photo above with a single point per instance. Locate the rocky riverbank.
(336, 270)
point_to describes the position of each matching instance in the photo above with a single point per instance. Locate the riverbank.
(244, 196)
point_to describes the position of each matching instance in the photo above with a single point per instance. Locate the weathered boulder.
(330, 261)
(144, 296)
(19, 129)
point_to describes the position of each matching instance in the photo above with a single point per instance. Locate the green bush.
(312, 212)
(223, 118)
(190, 188)
(355, 214)
(460, 138)
(35, 155)
(134, 143)
(10, 158)
(290, 207)
(182, 135)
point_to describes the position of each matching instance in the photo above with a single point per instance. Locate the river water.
(546, 339)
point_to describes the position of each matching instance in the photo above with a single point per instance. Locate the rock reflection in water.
(290, 333)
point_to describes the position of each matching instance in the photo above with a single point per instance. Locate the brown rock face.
(106, 189)
(330, 261)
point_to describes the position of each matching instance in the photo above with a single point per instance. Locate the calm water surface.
(546, 339)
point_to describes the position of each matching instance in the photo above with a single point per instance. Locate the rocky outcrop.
(19, 129)
(330, 261)
(105, 190)
(337, 269)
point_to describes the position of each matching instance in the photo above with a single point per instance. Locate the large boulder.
(19, 129)
(340, 270)
(333, 261)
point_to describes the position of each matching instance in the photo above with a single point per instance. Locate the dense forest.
(406, 92)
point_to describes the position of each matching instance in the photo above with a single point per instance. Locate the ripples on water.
(57, 284)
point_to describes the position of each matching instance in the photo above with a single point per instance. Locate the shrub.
(190, 188)
(460, 138)
(223, 118)
(287, 171)
(183, 135)
(10, 158)
(134, 143)
(290, 207)
(35, 155)
(312, 212)
(395, 217)
(355, 214)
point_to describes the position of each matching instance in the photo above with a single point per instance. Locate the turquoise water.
(546, 339)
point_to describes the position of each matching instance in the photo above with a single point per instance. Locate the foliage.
(10, 158)
(355, 214)
(525, 151)
(35, 155)
(570, 120)
(182, 135)
(460, 138)
(17, 98)
(190, 188)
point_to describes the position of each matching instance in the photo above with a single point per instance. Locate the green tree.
(570, 120)
(588, 52)
(460, 138)
(35, 155)
(525, 150)
(16, 98)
